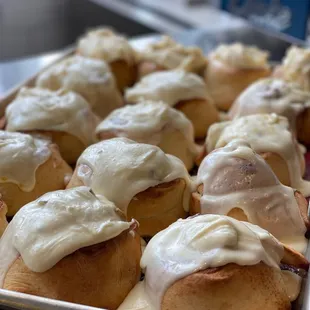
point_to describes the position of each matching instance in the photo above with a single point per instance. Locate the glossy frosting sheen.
(272, 96)
(41, 109)
(236, 177)
(169, 86)
(121, 168)
(265, 133)
(241, 56)
(21, 155)
(57, 224)
(171, 55)
(296, 66)
(198, 243)
(147, 122)
(104, 44)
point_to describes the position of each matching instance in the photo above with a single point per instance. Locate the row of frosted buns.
(158, 178)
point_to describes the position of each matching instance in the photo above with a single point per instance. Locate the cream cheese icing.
(234, 176)
(265, 133)
(21, 155)
(195, 244)
(171, 55)
(57, 224)
(120, 168)
(272, 96)
(91, 78)
(240, 56)
(296, 66)
(169, 86)
(42, 109)
(103, 43)
(147, 122)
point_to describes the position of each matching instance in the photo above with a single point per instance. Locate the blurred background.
(30, 28)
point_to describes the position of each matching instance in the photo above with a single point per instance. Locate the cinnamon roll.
(276, 96)
(231, 69)
(3, 221)
(271, 137)
(102, 43)
(144, 182)
(91, 78)
(295, 67)
(236, 181)
(64, 116)
(166, 54)
(65, 246)
(182, 90)
(30, 166)
(214, 262)
(156, 123)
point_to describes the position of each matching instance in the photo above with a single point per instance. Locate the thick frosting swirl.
(57, 224)
(21, 155)
(169, 86)
(120, 168)
(103, 43)
(42, 109)
(172, 55)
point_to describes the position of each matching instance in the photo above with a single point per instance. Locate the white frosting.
(57, 224)
(236, 177)
(21, 155)
(241, 56)
(272, 96)
(265, 133)
(41, 109)
(104, 44)
(202, 242)
(292, 283)
(147, 122)
(91, 78)
(120, 168)
(296, 66)
(169, 86)
(171, 55)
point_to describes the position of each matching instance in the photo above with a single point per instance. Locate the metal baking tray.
(10, 300)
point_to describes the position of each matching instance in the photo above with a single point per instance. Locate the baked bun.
(64, 116)
(102, 43)
(71, 246)
(3, 221)
(166, 54)
(144, 182)
(295, 67)
(182, 90)
(231, 69)
(29, 167)
(153, 122)
(236, 181)
(214, 262)
(91, 78)
(271, 137)
(276, 96)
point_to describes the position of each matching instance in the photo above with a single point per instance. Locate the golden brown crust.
(70, 147)
(202, 113)
(231, 287)
(158, 207)
(238, 213)
(226, 83)
(50, 176)
(172, 142)
(3, 221)
(155, 208)
(100, 276)
(146, 67)
(125, 74)
(303, 127)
